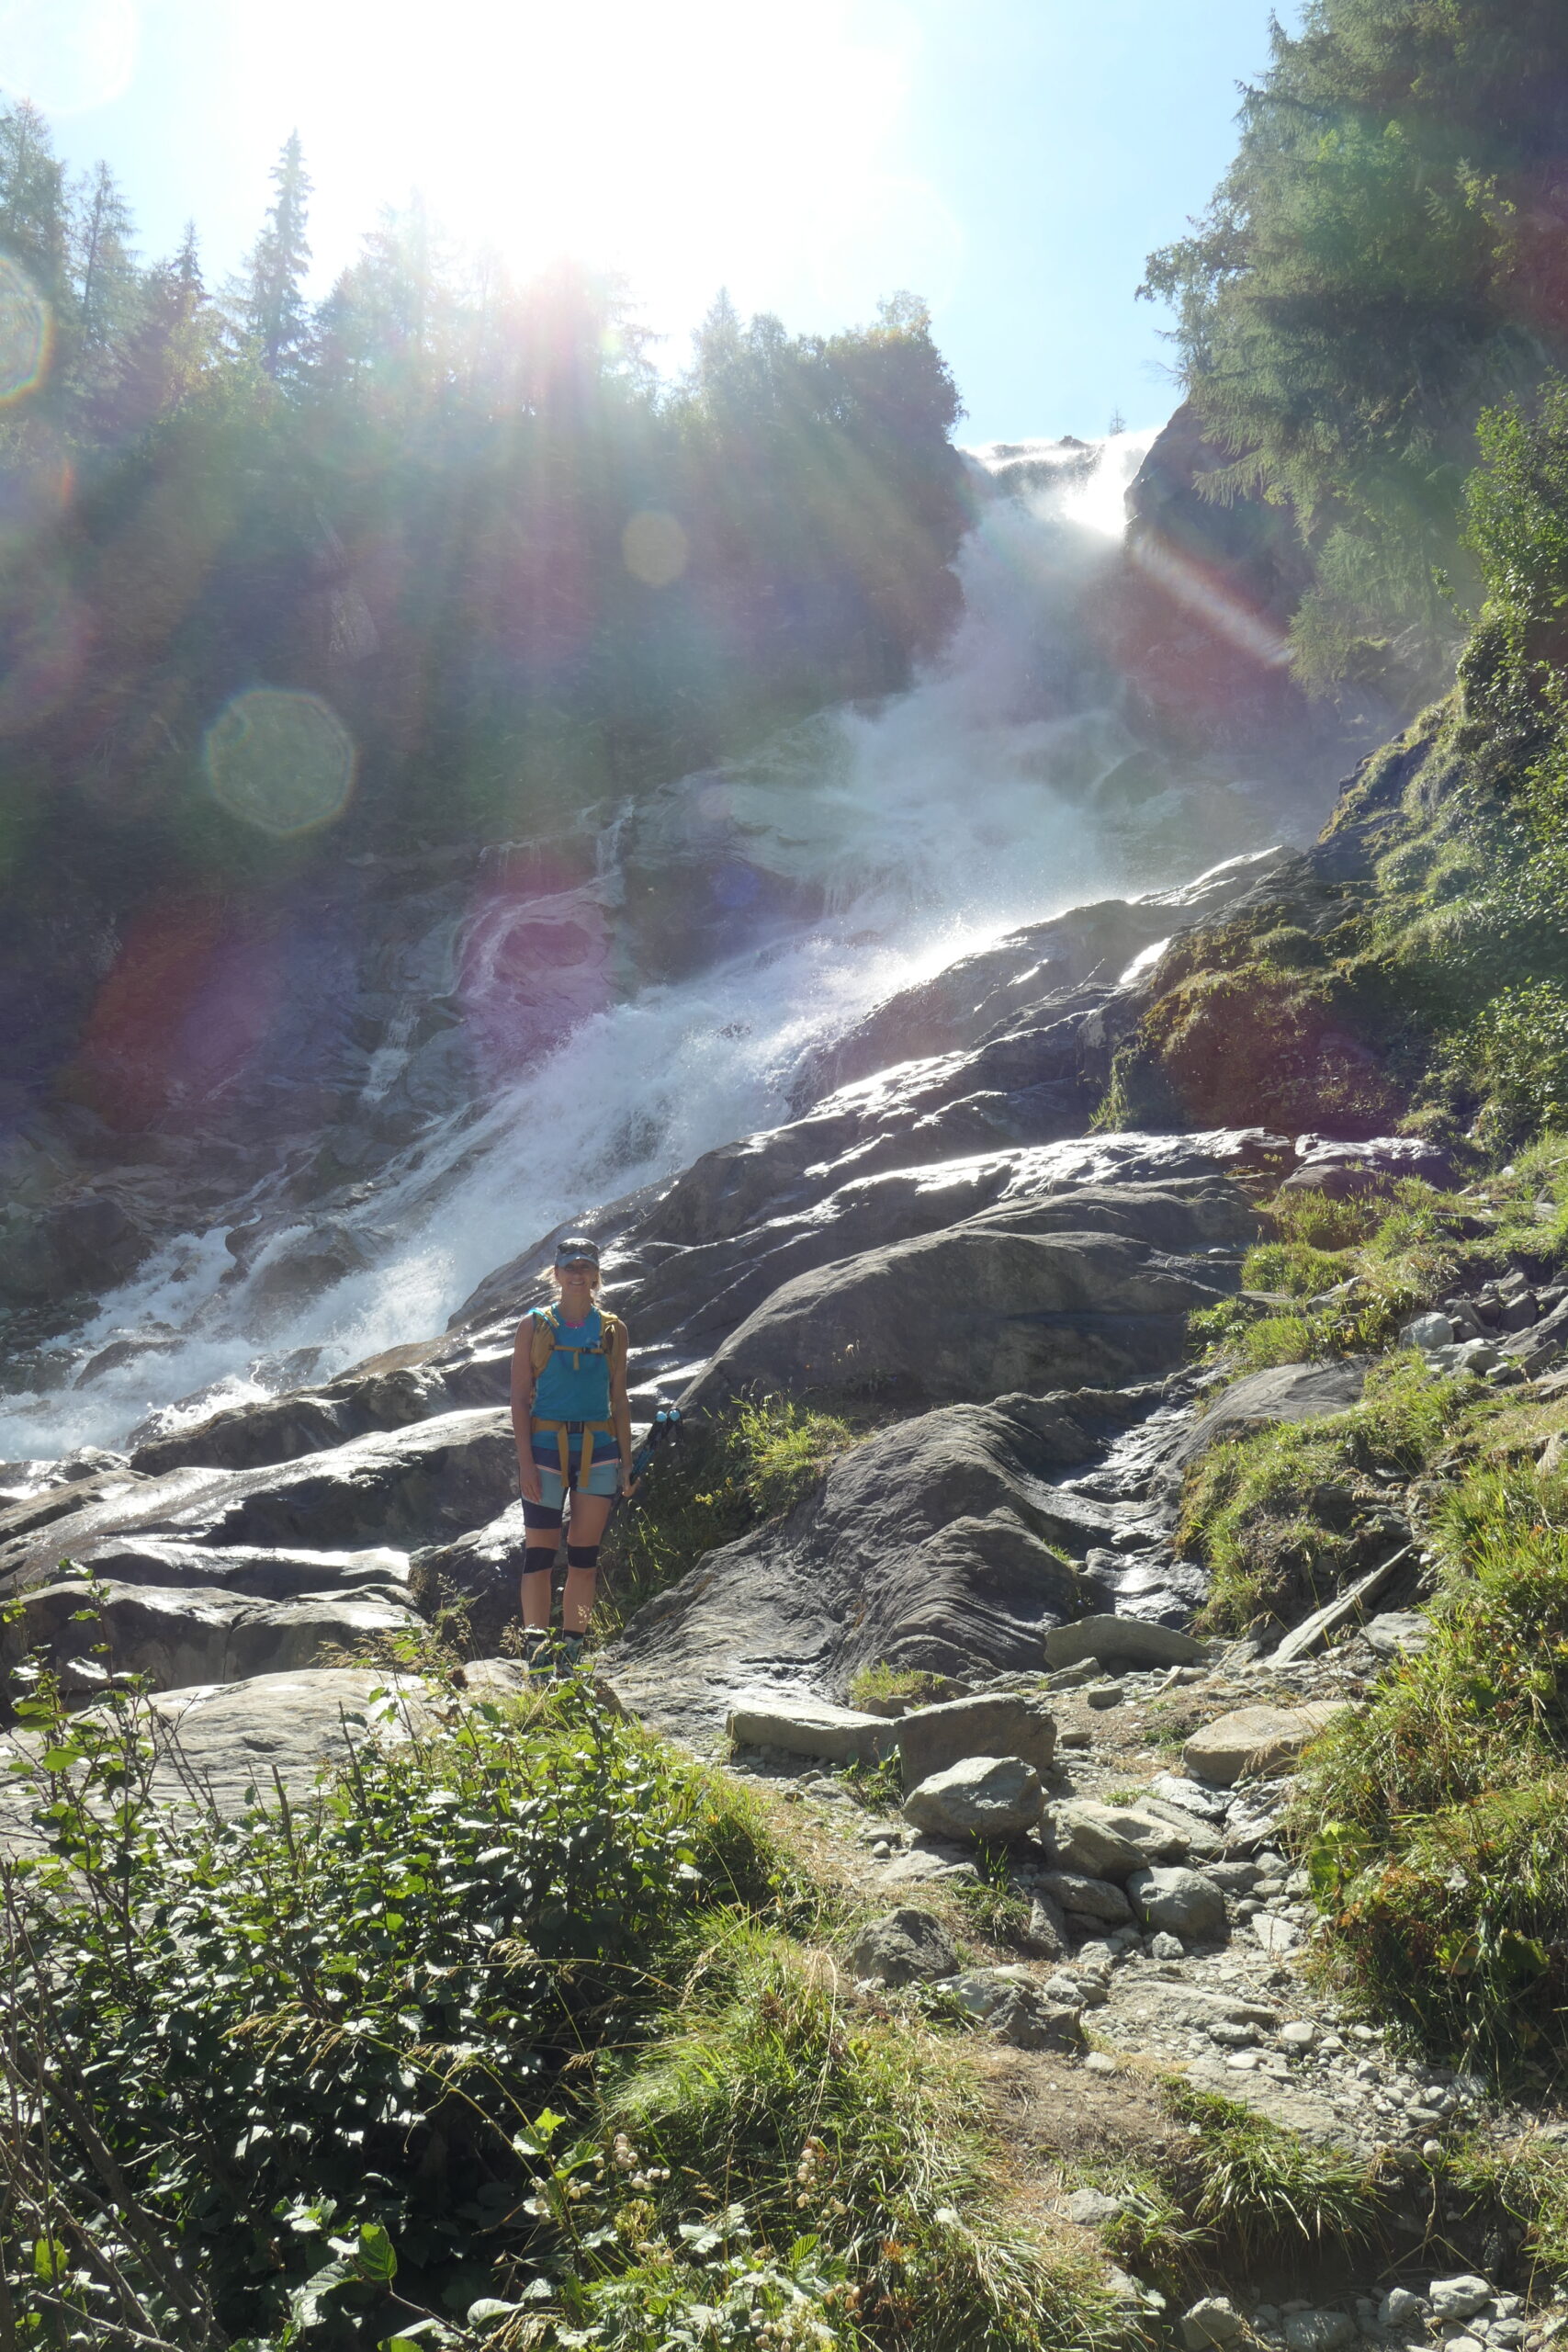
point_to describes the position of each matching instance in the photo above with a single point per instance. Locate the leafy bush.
(259, 2069)
(1436, 1819)
(1517, 1050)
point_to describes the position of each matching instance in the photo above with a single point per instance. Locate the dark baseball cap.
(575, 1248)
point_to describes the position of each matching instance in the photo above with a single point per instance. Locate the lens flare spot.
(27, 331)
(655, 547)
(281, 760)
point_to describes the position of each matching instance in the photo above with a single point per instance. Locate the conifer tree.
(277, 313)
(32, 199)
(108, 290)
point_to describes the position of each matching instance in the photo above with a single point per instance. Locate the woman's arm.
(523, 1409)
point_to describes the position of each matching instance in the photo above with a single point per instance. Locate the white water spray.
(984, 796)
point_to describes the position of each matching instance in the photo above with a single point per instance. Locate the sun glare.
(689, 146)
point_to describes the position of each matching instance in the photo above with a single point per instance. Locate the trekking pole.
(665, 1423)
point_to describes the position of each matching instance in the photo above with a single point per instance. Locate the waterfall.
(861, 850)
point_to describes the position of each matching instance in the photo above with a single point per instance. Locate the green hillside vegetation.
(1381, 265)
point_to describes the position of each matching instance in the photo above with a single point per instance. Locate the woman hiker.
(572, 1423)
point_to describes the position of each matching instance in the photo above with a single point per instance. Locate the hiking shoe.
(539, 1657)
(568, 1653)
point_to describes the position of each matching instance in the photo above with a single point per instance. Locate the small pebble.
(1100, 2061)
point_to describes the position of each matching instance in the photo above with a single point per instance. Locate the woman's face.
(575, 1283)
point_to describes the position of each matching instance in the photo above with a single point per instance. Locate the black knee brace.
(538, 1561)
(582, 1555)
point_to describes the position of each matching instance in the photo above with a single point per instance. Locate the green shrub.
(257, 2069)
(1261, 2191)
(1517, 1052)
(1436, 1819)
(711, 1485)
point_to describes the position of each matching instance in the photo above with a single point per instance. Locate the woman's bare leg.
(590, 1517)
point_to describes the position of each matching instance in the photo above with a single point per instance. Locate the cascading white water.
(961, 809)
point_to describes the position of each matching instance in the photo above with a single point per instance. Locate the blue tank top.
(575, 1384)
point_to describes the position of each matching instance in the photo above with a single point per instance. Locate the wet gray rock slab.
(215, 1573)
(936, 1544)
(1094, 1290)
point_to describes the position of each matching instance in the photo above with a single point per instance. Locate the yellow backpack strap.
(541, 1347)
(612, 1339)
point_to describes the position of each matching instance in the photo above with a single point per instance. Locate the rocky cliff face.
(932, 1228)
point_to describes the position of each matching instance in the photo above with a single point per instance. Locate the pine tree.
(171, 348)
(32, 199)
(108, 290)
(276, 313)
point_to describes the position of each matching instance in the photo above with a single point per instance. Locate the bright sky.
(1013, 160)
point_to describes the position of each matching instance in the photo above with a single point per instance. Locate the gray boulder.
(1046, 1935)
(1127, 1640)
(1109, 1841)
(1088, 1898)
(1184, 1902)
(812, 1727)
(992, 1723)
(1015, 2010)
(983, 1796)
(906, 1947)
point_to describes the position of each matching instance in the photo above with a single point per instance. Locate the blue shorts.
(604, 1473)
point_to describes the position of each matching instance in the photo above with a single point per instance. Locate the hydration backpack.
(611, 1342)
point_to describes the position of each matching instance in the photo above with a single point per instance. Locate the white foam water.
(960, 809)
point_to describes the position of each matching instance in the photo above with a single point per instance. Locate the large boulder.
(985, 1796)
(1105, 1841)
(1092, 1291)
(1088, 1898)
(1257, 1739)
(904, 1947)
(1184, 1902)
(992, 1723)
(214, 1574)
(222, 1743)
(1286, 1392)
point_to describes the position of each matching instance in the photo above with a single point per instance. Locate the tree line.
(527, 573)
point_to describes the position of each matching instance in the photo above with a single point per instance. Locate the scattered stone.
(1457, 2298)
(1400, 2307)
(1162, 1945)
(1090, 2209)
(1088, 1898)
(1318, 2331)
(812, 1727)
(1101, 2062)
(1013, 2007)
(932, 1739)
(983, 1796)
(1105, 1695)
(1276, 1936)
(1047, 1931)
(1183, 1902)
(1255, 1739)
(906, 1947)
(1128, 1640)
(1213, 2321)
(1298, 2034)
(1431, 1330)
(1397, 1631)
(1108, 1842)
